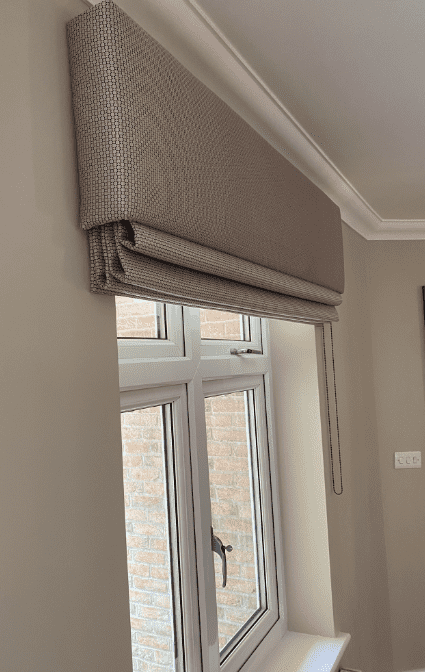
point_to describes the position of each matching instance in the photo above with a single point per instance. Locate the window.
(203, 530)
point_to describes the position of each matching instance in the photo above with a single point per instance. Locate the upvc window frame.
(203, 366)
(175, 396)
(130, 349)
(212, 347)
(256, 635)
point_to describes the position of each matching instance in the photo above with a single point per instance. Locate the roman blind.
(182, 200)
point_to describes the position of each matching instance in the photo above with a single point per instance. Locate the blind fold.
(182, 200)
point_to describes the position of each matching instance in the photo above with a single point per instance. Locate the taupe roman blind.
(182, 200)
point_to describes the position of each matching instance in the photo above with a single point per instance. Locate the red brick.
(160, 573)
(151, 584)
(243, 555)
(245, 511)
(157, 517)
(155, 488)
(220, 419)
(137, 623)
(233, 494)
(158, 544)
(138, 570)
(151, 613)
(240, 586)
(162, 629)
(238, 419)
(248, 572)
(151, 558)
(132, 460)
(144, 474)
(139, 447)
(154, 642)
(163, 601)
(228, 598)
(135, 514)
(217, 478)
(228, 628)
(238, 615)
(140, 597)
(233, 569)
(219, 448)
(223, 508)
(227, 403)
(239, 525)
(146, 501)
(214, 330)
(252, 603)
(234, 434)
(133, 486)
(240, 450)
(232, 464)
(155, 461)
(241, 480)
(149, 529)
(163, 657)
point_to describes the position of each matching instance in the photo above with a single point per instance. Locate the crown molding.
(188, 33)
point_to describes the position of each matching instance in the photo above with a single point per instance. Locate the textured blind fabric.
(182, 200)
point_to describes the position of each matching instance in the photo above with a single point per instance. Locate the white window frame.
(212, 347)
(268, 620)
(203, 367)
(175, 395)
(136, 349)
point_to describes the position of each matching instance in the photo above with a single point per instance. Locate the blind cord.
(336, 410)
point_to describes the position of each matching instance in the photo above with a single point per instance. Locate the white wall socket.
(408, 460)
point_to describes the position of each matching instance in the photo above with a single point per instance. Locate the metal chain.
(336, 409)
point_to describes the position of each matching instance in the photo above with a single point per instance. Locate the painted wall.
(64, 595)
(357, 542)
(377, 526)
(64, 584)
(397, 273)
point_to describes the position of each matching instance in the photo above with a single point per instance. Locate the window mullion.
(201, 499)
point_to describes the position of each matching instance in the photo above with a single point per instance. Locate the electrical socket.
(408, 460)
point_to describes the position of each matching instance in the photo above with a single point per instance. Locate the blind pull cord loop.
(336, 410)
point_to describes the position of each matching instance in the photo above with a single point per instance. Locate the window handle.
(219, 548)
(242, 351)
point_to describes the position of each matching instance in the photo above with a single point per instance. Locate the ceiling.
(353, 75)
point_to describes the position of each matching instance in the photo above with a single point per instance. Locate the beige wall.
(378, 525)
(397, 273)
(64, 584)
(357, 543)
(64, 595)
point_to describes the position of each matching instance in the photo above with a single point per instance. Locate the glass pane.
(148, 526)
(137, 318)
(234, 504)
(217, 324)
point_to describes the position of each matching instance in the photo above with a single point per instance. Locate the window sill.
(298, 652)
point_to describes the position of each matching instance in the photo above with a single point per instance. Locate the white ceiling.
(352, 73)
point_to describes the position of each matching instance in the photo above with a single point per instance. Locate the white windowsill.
(298, 652)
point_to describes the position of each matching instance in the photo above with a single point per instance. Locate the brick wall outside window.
(135, 318)
(232, 518)
(147, 540)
